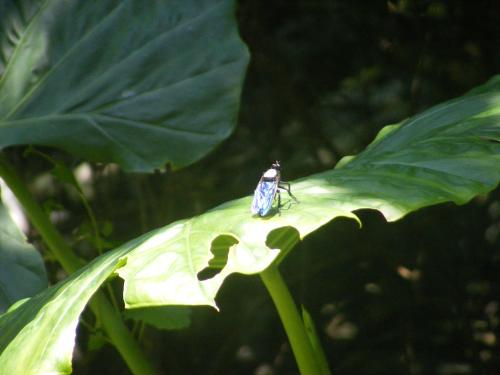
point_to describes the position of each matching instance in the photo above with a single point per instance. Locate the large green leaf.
(139, 84)
(448, 153)
(22, 272)
(37, 337)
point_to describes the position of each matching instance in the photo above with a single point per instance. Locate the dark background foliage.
(420, 296)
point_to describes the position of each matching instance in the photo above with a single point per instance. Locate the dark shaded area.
(420, 296)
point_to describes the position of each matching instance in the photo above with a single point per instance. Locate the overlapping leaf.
(22, 272)
(120, 80)
(37, 337)
(448, 153)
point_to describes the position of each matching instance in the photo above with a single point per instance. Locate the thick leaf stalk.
(292, 322)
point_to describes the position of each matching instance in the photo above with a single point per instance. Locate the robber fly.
(268, 188)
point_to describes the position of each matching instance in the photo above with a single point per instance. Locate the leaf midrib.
(61, 60)
(89, 33)
(22, 40)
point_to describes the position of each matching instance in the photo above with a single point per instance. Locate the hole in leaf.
(284, 238)
(220, 249)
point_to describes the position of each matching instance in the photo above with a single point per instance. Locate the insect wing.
(264, 196)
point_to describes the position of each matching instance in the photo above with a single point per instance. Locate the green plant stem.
(55, 242)
(292, 322)
(110, 318)
(121, 336)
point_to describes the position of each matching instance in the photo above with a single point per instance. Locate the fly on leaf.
(268, 188)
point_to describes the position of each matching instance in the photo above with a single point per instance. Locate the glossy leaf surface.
(120, 81)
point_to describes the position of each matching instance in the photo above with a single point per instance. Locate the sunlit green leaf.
(447, 153)
(38, 336)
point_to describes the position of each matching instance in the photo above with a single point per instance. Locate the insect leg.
(279, 201)
(286, 186)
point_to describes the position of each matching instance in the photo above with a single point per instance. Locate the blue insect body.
(268, 187)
